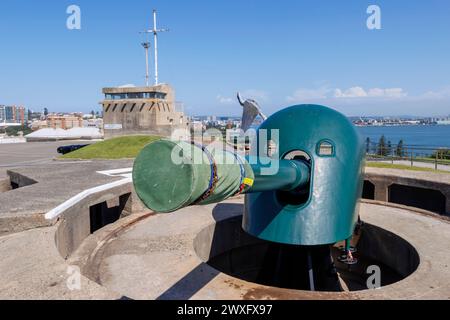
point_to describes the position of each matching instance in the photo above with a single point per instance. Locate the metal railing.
(432, 157)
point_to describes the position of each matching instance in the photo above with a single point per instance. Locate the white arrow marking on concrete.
(125, 172)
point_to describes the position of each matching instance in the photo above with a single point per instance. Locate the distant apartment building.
(64, 121)
(13, 114)
(58, 121)
(141, 110)
(39, 124)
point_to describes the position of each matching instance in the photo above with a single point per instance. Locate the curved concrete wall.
(224, 236)
(76, 223)
(425, 190)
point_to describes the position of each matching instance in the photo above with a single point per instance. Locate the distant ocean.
(424, 136)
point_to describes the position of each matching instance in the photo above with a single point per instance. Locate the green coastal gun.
(306, 192)
(169, 176)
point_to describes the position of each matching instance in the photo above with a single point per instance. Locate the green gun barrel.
(170, 175)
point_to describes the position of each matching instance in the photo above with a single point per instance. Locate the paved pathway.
(31, 154)
(420, 164)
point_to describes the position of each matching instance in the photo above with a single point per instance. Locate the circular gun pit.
(202, 253)
(285, 266)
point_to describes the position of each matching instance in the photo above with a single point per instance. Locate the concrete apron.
(163, 257)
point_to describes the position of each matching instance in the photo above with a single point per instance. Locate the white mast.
(155, 32)
(146, 46)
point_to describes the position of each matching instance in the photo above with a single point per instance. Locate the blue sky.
(278, 52)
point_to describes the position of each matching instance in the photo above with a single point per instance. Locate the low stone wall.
(383, 180)
(19, 180)
(226, 239)
(5, 185)
(392, 250)
(75, 225)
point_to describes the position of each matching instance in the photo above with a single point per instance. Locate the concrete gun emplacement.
(310, 200)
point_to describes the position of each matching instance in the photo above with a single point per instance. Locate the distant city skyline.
(237, 115)
(279, 54)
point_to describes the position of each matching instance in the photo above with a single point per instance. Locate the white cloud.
(387, 93)
(224, 100)
(357, 100)
(309, 94)
(354, 92)
(359, 92)
(304, 94)
(439, 94)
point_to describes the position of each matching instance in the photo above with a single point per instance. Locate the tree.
(45, 112)
(381, 151)
(368, 145)
(14, 131)
(441, 154)
(93, 113)
(400, 151)
(389, 148)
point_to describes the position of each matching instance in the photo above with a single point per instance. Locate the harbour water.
(433, 136)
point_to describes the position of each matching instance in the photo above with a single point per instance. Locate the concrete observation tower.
(148, 109)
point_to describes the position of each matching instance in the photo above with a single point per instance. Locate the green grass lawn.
(431, 160)
(401, 166)
(116, 148)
